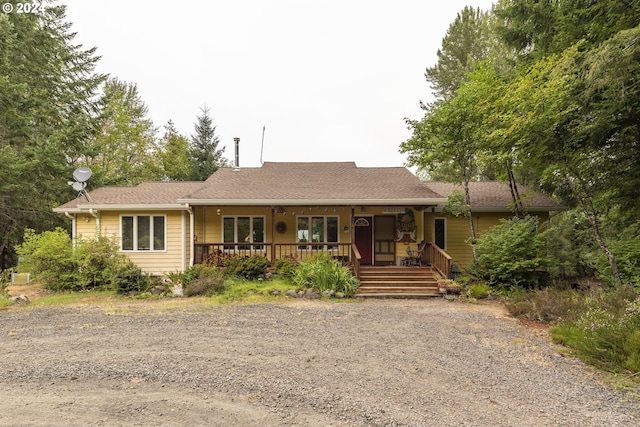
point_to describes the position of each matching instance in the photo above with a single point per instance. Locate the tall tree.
(452, 133)
(120, 153)
(173, 154)
(47, 89)
(469, 40)
(204, 154)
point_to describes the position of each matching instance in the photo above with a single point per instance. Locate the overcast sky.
(332, 80)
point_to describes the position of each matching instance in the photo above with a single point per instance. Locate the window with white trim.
(143, 232)
(317, 229)
(237, 229)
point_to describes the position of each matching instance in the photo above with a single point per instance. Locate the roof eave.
(122, 207)
(306, 202)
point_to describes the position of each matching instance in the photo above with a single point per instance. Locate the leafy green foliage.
(95, 264)
(511, 254)
(98, 264)
(626, 247)
(120, 153)
(130, 279)
(201, 279)
(479, 290)
(468, 41)
(286, 267)
(604, 330)
(47, 94)
(251, 268)
(172, 151)
(321, 272)
(49, 257)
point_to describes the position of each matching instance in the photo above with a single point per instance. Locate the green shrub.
(250, 268)
(206, 286)
(546, 305)
(189, 275)
(49, 257)
(98, 264)
(286, 267)
(511, 254)
(131, 279)
(479, 291)
(200, 279)
(5, 280)
(626, 247)
(321, 272)
(604, 331)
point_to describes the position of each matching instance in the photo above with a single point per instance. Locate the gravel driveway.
(371, 363)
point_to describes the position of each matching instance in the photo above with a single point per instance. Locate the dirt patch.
(33, 291)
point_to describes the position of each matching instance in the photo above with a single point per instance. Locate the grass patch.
(601, 326)
(251, 291)
(4, 301)
(70, 298)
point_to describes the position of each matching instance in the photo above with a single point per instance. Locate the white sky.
(332, 80)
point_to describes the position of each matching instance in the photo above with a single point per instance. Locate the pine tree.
(47, 89)
(204, 155)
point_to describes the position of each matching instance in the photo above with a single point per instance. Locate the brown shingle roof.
(496, 195)
(304, 183)
(311, 182)
(145, 194)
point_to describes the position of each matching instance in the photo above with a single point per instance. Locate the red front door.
(363, 231)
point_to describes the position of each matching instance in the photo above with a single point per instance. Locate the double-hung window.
(317, 229)
(238, 229)
(143, 232)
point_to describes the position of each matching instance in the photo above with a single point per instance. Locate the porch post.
(192, 228)
(353, 232)
(273, 236)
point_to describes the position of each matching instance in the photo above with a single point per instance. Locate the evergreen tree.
(173, 154)
(47, 89)
(468, 41)
(204, 155)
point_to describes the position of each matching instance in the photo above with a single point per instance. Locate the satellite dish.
(82, 174)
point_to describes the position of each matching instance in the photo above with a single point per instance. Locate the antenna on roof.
(262, 145)
(81, 176)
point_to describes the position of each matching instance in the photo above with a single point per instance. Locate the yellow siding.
(458, 235)
(154, 262)
(208, 223)
(208, 226)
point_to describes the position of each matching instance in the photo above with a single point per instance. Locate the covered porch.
(357, 236)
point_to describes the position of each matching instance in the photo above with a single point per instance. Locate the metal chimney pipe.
(237, 141)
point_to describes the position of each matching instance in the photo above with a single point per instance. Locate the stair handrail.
(439, 259)
(355, 260)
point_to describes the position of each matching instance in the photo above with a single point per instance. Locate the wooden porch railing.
(439, 259)
(216, 253)
(355, 260)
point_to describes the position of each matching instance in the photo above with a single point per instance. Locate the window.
(237, 229)
(441, 233)
(143, 232)
(317, 229)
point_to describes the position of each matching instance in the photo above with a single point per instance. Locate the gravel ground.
(372, 363)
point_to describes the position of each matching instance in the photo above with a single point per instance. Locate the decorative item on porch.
(406, 228)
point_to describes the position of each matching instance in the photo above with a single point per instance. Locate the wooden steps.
(397, 282)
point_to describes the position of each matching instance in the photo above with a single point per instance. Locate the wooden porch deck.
(397, 282)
